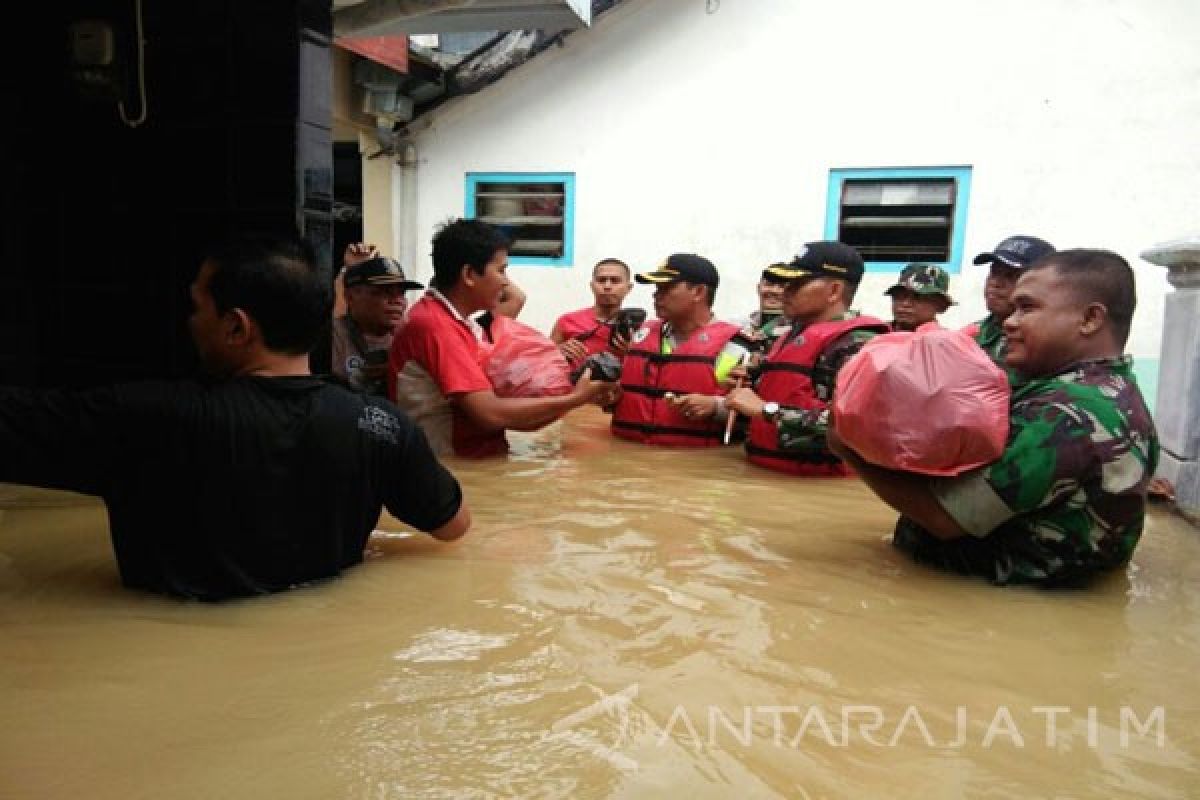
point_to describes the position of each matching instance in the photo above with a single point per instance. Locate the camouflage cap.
(923, 279)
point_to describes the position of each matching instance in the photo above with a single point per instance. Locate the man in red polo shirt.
(586, 332)
(436, 371)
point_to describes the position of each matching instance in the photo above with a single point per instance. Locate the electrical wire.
(141, 67)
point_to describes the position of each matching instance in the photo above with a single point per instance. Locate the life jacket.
(647, 374)
(583, 326)
(786, 377)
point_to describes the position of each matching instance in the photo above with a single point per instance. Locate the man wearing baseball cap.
(675, 356)
(920, 293)
(1007, 260)
(788, 406)
(760, 328)
(375, 306)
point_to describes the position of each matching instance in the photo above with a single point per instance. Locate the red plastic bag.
(930, 402)
(524, 362)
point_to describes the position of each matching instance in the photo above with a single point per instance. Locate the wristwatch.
(770, 411)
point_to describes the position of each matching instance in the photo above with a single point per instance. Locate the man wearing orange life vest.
(788, 407)
(672, 356)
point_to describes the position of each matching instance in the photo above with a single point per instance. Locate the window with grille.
(900, 215)
(536, 211)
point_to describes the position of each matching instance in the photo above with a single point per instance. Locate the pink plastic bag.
(930, 402)
(524, 362)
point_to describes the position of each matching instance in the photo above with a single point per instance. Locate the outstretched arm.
(494, 413)
(456, 527)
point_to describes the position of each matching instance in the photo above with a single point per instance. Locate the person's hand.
(358, 252)
(744, 402)
(619, 345)
(574, 350)
(739, 373)
(1161, 489)
(738, 376)
(752, 333)
(600, 393)
(694, 406)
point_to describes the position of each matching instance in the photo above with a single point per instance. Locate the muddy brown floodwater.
(621, 622)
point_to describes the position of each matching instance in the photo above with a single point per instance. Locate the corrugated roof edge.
(499, 56)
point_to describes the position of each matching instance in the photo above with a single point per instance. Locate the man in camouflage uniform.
(1007, 259)
(920, 293)
(759, 329)
(1066, 500)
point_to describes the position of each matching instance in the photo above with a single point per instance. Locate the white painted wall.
(715, 133)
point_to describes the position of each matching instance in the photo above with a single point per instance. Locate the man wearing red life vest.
(672, 356)
(436, 373)
(788, 407)
(587, 331)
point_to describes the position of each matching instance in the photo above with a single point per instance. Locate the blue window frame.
(535, 209)
(898, 215)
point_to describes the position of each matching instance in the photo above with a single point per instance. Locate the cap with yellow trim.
(682, 267)
(824, 259)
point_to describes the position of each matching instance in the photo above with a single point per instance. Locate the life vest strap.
(664, 429)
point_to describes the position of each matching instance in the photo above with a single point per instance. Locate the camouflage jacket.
(990, 337)
(1067, 498)
(804, 429)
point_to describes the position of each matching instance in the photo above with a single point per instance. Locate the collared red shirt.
(436, 355)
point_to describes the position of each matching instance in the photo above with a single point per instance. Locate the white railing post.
(1177, 412)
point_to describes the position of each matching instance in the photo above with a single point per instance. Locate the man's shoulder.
(1073, 387)
(425, 313)
(1105, 392)
(852, 331)
(585, 314)
(721, 330)
(428, 321)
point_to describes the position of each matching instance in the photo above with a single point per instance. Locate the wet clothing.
(436, 355)
(583, 326)
(656, 364)
(1066, 500)
(354, 349)
(233, 488)
(800, 428)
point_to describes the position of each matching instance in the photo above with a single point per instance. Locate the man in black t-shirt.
(254, 480)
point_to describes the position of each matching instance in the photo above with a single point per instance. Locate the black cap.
(769, 274)
(379, 271)
(683, 267)
(1017, 251)
(823, 260)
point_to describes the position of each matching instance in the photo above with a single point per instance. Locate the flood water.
(621, 622)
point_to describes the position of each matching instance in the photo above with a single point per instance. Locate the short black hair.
(1098, 276)
(275, 280)
(849, 292)
(464, 241)
(618, 262)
